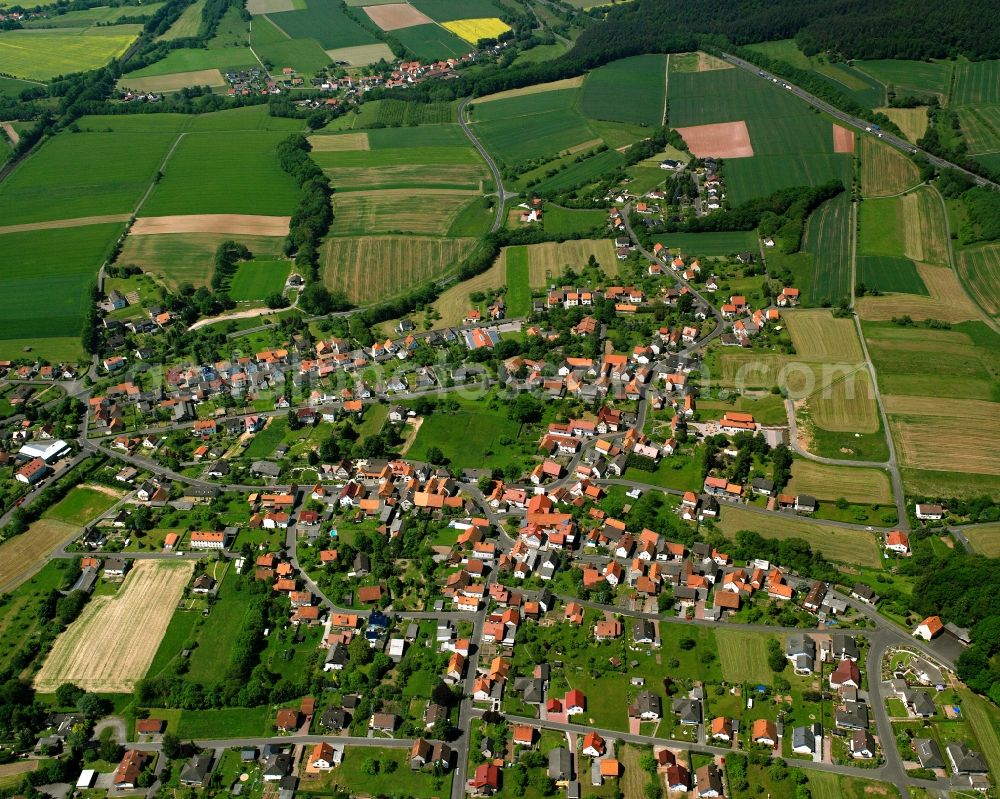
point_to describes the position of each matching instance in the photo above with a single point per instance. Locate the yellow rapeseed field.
(472, 30)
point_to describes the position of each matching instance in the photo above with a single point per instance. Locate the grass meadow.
(629, 90)
(212, 174)
(48, 294)
(255, 280)
(74, 174)
(568, 221)
(43, 54)
(81, 505)
(518, 290)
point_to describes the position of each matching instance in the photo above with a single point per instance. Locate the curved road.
(502, 194)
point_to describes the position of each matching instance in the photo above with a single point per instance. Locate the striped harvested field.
(110, 646)
(833, 482)
(372, 268)
(846, 405)
(912, 121)
(817, 334)
(836, 543)
(979, 268)
(23, 555)
(342, 142)
(952, 435)
(884, 170)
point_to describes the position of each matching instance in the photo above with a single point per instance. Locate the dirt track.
(54, 224)
(14, 136)
(234, 224)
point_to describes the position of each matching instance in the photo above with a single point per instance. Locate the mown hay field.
(817, 334)
(176, 258)
(979, 268)
(885, 170)
(361, 55)
(427, 211)
(836, 543)
(178, 80)
(454, 302)
(186, 24)
(344, 142)
(546, 261)
(833, 482)
(985, 539)
(846, 405)
(23, 555)
(953, 435)
(912, 121)
(924, 236)
(41, 54)
(947, 300)
(372, 268)
(110, 646)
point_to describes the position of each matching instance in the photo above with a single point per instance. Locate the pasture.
(207, 174)
(976, 83)
(709, 245)
(110, 646)
(72, 174)
(325, 22)
(176, 258)
(431, 42)
(945, 300)
(42, 54)
(910, 77)
(518, 288)
(48, 294)
(472, 30)
(580, 173)
(881, 227)
(979, 268)
(885, 170)
(818, 335)
(901, 356)
(23, 555)
(743, 656)
(912, 121)
(890, 273)
(946, 436)
(372, 268)
(985, 539)
(423, 211)
(846, 404)
(836, 543)
(854, 484)
(256, 280)
(629, 90)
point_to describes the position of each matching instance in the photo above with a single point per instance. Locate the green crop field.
(518, 290)
(981, 126)
(325, 22)
(852, 82)
(211, 174)
(890, 273)
(551, 117)
(422, 211)
(709, 245)
(80, 174)
(920, 77)
(454, 167)
(630, 90)
(254, 117)
(12, 87)
(880, 231)
(976, 83)
(187, 24)
(195, 60)
(762, 175)
(828, 239)
(134, 123)
(567, 221)
(256, 280)
(784, 49)
(394, 114)
(47, 295)
(44, 54)
(582, 172)
(449, 10)
(84, 18)
(302, 55)
(431, 41)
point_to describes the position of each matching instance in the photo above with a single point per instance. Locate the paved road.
(855, 122)
(502, 194)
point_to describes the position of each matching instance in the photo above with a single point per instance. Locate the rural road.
(502, 194)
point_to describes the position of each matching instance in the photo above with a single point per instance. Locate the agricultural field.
(85, 18)
(833, 482)
(448, 10)
(890, 273)
(882, 245)
(175, 258)
(910, 77)
(976, 83)
(581, 173)
(518, 289)
(985, 539)
(912, 121)
(979, 268)
(548, 260)
(207, 174)
(431, 42)
(110, 646)
(555, 123)
(187, 24)
(709, 245)
(23, 555)
(472, 30)
(825, 274)
(48, 294)
(885, 170)
(42, 54)
(419, 211)
(371, 268)
(629, 90)
(73, 174)
(818, 335)
(567, 221)
(326, 23)
(179, 80)
(836, 543)
(947, 436)
(256, 280)
(925, 238)
(361, 55)
(845, 405)
(454, 302)
(945, 300)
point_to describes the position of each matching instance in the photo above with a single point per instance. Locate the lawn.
(473, 437)
(326, 22)
(235, 722)
(266, 440)
(985, 539)
(351, 773)
(567, 221)
(75, 175)
(81, 505)
(518, 290)
(256, 280)
(629, 90)
(47, 295)
(207, 174)
(743, 656)
(215, 635)
(43, 54)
